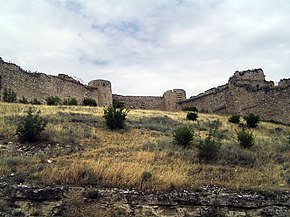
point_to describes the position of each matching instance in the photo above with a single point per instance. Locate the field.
(78, 149)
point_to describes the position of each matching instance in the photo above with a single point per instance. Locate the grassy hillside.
(78, 149)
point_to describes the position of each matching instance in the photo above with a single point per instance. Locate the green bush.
(70, 101)
(92, 193)
(29, 129)
(118, 104)
(208, 149)
(35, 102)
(252, 120)
(145, 176)
(234, 119)
(89, 102)
(183, 135)
(9, 95)
(23, 100)
(115, 117)
(246, 138)
(192, 116)
(53, 100)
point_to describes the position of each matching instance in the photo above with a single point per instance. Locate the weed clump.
(145, 176)
(235, 119)
(31, 126)
(53, 100)
(23, 100)
(89, 102)
(252, 120)
(246, 138)
(115, 117)
(208, 149)
(192, 116)
(183, 135)
(70, 101)
(9, 95)
(92, 193)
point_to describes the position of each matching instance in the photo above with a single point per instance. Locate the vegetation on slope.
(77, 148)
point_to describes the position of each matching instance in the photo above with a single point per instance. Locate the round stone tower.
(104, 91)
(171, 99)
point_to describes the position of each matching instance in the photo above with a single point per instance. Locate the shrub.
(192, 116)
(246, 138)
(118, 104)
(31, 126)
(92, 193)
(23, 100)
(35, 102)
(183, 135)
(89, 102)
(252, 120)
(145, 176)
(208, 149)
(190, 109)
(9, 95)
(70, 101)
(115, 117)
(234, 119)
(53, 100)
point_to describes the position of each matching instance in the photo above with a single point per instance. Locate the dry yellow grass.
(119, 158)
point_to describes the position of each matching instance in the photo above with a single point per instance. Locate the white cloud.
(145, 47)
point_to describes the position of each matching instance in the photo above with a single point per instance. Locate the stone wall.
(168, 102)
(247, 92)
(40, 86)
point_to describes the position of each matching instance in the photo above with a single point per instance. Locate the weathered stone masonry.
(40, 86)
(247, 92)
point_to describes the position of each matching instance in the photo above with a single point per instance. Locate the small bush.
(53, 100)
(70, 101)
(89, 102)
(192, 116)
(115, 117)
(118, 104)
(35, 102)
(9, 95)
(246, 138)
(31, 126)
(183, 135)
(234, 119)
(145, 176)
(190, 109)
(23, 100)
(252, 120)
(208, 149)
(92, 193)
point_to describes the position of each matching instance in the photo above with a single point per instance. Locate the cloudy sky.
(145, 47)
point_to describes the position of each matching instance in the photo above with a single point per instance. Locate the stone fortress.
(246, 92)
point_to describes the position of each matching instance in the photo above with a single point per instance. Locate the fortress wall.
(270, 104)
(40, 86)
(250, 95)
(141, 102)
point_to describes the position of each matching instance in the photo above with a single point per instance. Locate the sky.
(145, 47)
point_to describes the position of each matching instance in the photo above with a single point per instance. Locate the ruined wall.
(40, 86)
(247, 92)
(141, 102)
(167, 102)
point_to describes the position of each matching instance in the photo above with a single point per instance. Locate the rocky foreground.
(25, 200)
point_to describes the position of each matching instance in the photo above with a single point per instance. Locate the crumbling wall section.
(40, 86)
(141, 102)
(246, 92)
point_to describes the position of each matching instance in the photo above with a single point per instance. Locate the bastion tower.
(104, 90)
